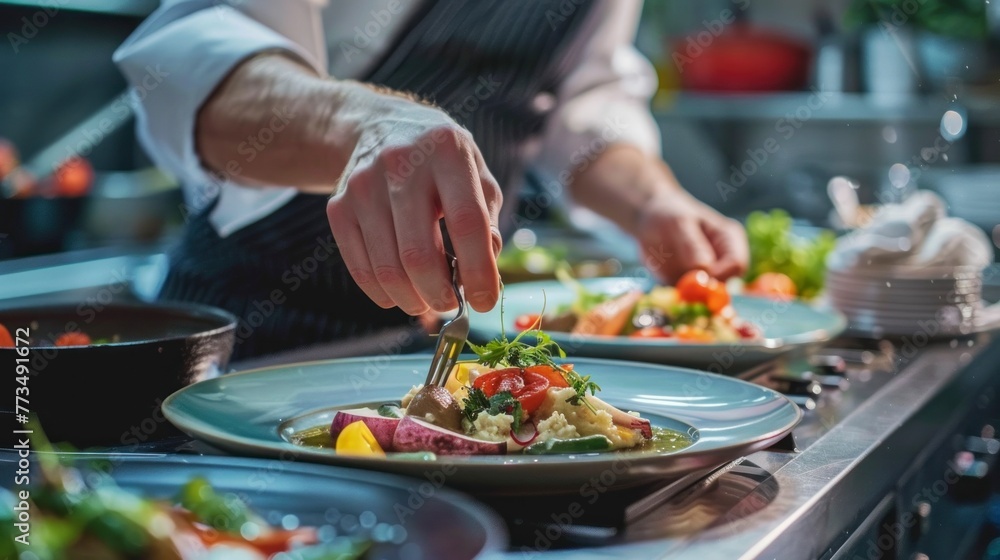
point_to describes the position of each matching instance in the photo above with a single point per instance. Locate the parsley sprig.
(501, 352)
(476, 402)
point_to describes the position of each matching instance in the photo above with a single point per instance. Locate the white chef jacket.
(191, 45)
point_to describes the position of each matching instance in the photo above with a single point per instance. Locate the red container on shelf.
(741, 57)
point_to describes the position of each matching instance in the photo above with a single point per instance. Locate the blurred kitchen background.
(763, 104)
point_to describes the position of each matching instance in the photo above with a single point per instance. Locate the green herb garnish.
(501, 352)
(501, 403)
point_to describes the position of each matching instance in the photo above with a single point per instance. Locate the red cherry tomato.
(6, 340)
(555, 378)
(528, 387)
(532, 394)
(747, 330)
(693, 286)
(74, 177)
(717, 297)
(490, 382)
(653, 332)
(73, 339)
(773, 285)
(527, 321)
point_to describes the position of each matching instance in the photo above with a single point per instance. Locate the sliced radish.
(621, 418)
(525, 435)
(418, 435)
(383, 428)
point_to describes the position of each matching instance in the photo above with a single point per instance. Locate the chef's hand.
(395, 166)
(678, 233)
(675, 231)
(412, 166)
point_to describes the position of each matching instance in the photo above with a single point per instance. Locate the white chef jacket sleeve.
(606, 99)
(180, 53)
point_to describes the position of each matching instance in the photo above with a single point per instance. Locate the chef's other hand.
(678, 233)
(412, 166)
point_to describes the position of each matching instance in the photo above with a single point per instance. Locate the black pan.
(110, 393)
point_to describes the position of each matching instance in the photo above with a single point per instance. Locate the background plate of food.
(515, 418)
(696, 324)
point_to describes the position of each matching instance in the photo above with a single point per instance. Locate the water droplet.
(290, 522)
(368, 520)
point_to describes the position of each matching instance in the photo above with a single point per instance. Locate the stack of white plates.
(904, 301)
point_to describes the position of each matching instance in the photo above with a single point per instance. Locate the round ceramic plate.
(356, 504)
(786, 326)
(258, 412)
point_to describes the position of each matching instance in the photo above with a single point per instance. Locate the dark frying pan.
(109, 394)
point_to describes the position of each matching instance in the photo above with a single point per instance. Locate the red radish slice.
(526, 435)
(382, 428)
(417, 435)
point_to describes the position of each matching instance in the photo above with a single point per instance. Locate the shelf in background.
(825, 106)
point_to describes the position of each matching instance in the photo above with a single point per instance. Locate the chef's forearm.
(620, 182)
(273, 121)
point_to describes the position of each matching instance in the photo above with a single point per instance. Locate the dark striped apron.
(485, 62)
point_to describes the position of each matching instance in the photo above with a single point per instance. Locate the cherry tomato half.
(532, 394)
(528, 387)
(527, 321)
(489, 382)
(717, 297)
(6, 340)
(555, 378)
(73, 339)
(693, 286)
(653, 332)
(773, 285)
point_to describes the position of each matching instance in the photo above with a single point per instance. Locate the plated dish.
(512, 398)
(114, 507)
(304, 411)
(782, 326)
(697, 309)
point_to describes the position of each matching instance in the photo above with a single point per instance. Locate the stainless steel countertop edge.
(794, 522)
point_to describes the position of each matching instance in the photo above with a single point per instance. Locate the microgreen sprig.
(517, 353)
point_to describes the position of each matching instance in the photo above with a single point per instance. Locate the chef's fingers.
(351, 244)
(470, 222)
(690, 249)
(729, 241)
(415, 215)
(493, 196)
(366, 201)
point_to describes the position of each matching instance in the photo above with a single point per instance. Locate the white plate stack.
(904, 301)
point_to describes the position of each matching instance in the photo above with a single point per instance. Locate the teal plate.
(377, 507)
(786, 326)
(257, 412)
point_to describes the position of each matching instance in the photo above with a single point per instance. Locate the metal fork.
(451, 339)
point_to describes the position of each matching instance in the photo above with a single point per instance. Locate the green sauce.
(665, 440)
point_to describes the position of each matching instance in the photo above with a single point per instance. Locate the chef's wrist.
(268, 117)
(622, 182)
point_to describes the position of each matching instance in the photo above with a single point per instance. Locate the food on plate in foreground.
(514, 398)
(80, 513)
(697, 309)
